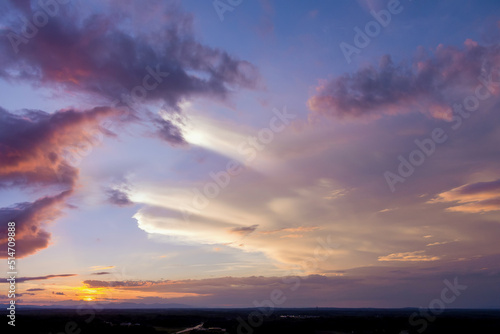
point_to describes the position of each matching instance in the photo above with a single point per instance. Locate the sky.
(343, 153)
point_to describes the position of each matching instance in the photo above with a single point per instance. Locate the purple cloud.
(429, 84)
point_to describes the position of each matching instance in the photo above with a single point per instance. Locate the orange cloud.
(476, 197)
(416, 256)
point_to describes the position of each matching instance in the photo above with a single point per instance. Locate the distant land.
(185, 320)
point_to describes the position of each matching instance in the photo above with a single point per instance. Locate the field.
(249, 321)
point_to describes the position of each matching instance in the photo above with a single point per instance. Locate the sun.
(91, 294)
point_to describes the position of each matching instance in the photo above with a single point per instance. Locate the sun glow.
(92, 294)
(206, 132)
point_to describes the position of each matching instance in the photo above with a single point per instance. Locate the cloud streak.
(476, 197)
(417, 256)
(372, 286)
(160, 58)
(37, 278)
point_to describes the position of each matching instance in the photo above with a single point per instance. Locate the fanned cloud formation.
(429, 84)
(120, 64)
(199, 173)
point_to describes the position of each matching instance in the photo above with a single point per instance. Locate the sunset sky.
(207, 152)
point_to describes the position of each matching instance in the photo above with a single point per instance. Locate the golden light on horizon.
(87, 294)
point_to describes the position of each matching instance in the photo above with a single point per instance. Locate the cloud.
(438, 243)
(36, 278)
(292, 229)
(114, 61)
(169, 132)
(368, 286)
(102, 273)
(35, 289)
(167, 212)
(35, 146)
(58, 293)
(116, 284)
(293, 236)
(93, 268)
(245, 230)
(430, 84)
(476, 197)
(118, 197)
(154, 57)
(31, 219)
(416, 256)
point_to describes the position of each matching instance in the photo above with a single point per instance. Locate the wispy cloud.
(37, 278)
(417, 256)
(476, 197)
(94, 268)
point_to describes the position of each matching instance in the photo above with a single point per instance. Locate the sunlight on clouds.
(416, 256)
(85, 293)
(437, 243)
(182, 204)
(90, 292)
(476, 197)
(251, 147)
(271, 226)
(95, 268)
(207, 132)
